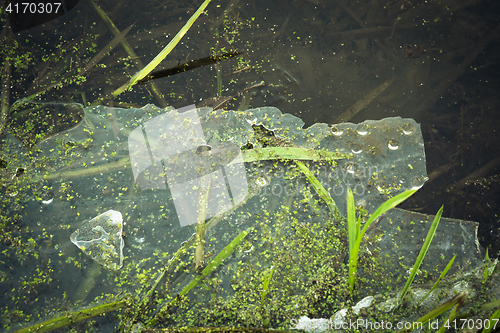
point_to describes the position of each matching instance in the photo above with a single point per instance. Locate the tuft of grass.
(354, 226)
(421, 255)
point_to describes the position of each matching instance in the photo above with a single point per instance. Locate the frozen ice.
(101, 239)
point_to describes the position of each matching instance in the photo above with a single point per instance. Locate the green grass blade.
(358, 226)
(485, 307)
(389, 204)
(458, 299)
(451, 317)
(421, 255)
(486, 263)
(291, 153)
(226, 252)
(352, 226)
(265, 287)
(133, 57)
(443, 273)
(323, 194)
(164, 53)
(493, 319)
(75, 317)
(271, 153)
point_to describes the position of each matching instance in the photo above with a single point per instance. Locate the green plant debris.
(495, 317)
(389, 204)
(226, 252)
(72, 318)
(281, 254)
(164, 53)
(458, 299)
(297, 234)
(421, 255)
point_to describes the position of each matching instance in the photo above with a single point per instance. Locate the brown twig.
(219, 106)
(439, 171)
(5, 96)
(4, 105)
(480, 173)
(363, 103)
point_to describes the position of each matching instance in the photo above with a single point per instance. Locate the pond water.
(321, 64)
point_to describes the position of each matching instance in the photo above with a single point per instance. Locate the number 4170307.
(33, 8)
(471, 324)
